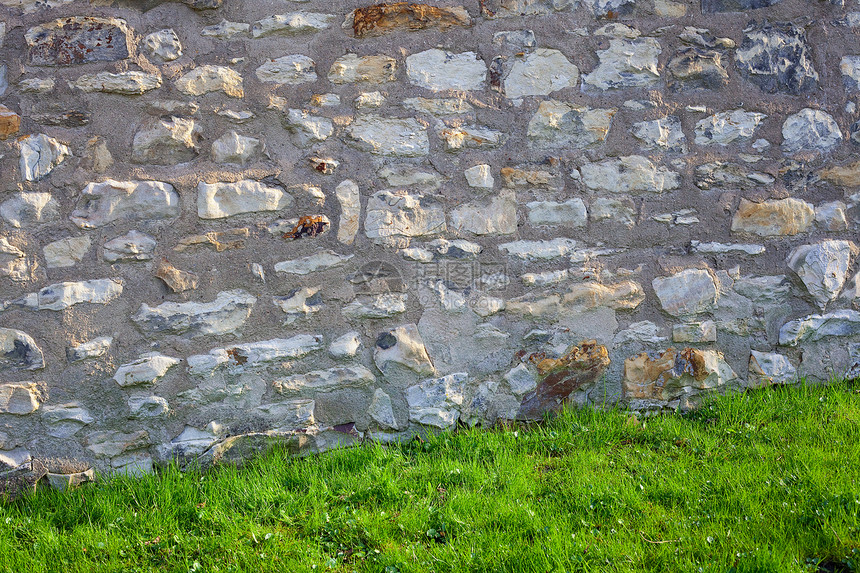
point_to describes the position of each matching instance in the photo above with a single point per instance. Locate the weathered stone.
(720, 248)
(381, 410)
(642, 332)
(166, 142)
(773, 218)
(218, 240)
(63, 295)
(479, 176)
(823, 268)
(571, 213)
(147, 407)
(224, 315)
(810, 130)
(300, 303)
(815, 327)
(540, 73)
(629, 174)
(437, 402)
(234, 148)
(384, 305)
(36, 85)
(207, 79)
(770, 368)
(711, 6)
(124, 83)
(18, 351)
(719, 174)
(689, 292)
(40, 155)
(402, 347)
(518, 8)
(63, 482)
(693, 68)
(559, 124)
(10, 122)
(177, 280)
(515, 40)
(148, 369)
(317, 262)
(850, 67)
(226, 30)
(777, 58)
(579, 297)
(248, 357)
(163, 45)
(219, 200)
(664, 134)
(28, 6)
(470, 137)
(621, 211)
(383, 136)
(438, 70)
(352, 68)
(345, 346)
(111, 444)
(21, 398)
(438, 106)
(288, 70)
(578, 369)
(308, 129)
(656, 379)
(394, 217)
(95, 348)
(109, 201)
(348, 196)
(540, 250)
(176, 107)
(78, 40)
(694, 332)
(830, 216)
(369, 100)
(66, 252)
(66, 420)
(842, 175)
(27, 209)
(340, 377)
(628, 62)
(133, 246)
(383, 18)
(292, 23)
(495, 216)
(305, 226)
(409, 176)
(14, 263)
(728, 127)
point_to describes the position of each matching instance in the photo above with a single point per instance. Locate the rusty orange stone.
(10, 122)
(382, 18)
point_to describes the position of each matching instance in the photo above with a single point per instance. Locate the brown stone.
(773, 218)
(176, 279)
(666, 376)
(383, 18)
(219, 240)
(10, 122)
(579, 367)
(843, 175)
(78, 40)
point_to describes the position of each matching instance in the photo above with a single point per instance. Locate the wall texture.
(225, 225)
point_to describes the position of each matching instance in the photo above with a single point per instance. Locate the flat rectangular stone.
(78, 40)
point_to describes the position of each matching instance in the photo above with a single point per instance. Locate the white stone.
(95, 348)
(437, 402)
(18, 457)
(40, 155)
(393, 217)
(823, 268)
(234, 148)
(409, 176)
(322, 260)
(63, 295)
(36, 85)
(164, 45)
(241, 116)
(309, 129)
(470, 137)
(439, 70)
(381, 411)
(558, 124)
(124, 83)
(302, 302)
(145, 407)
(20, 399)
(629, 174)
(226, 30)
(728, 127)
(479, 177)
(496, 216)
(224, 315)
(26, 209)
(644, 331)
(695, 332)
(814, 327)
(290, 415)
(166, 141)
(686, 293)
(14, 263)
(438, 106)
(810, 130)
(292, 23)
(545, 278)
(850, 66)
(540, 73)
(148, 369)
(515, 39)
(621, 211)
(352, 68)
(254, 355)
(371, 100)
(540, 250)
(719, 248)
(207, 79)
(111, 444)
(626, 63)
(664, 134)
(133, 246)
(384, 305)
(109, 201)
(404, 347)
(66, 420)
(348, 196)
(831, 216)
(571, 213)
(771, 368)
(66, 252)
(340, 377)
(18, 351)
(521, 380)
(345, 346)
(385, 136)
(288, 70)
(219, 200)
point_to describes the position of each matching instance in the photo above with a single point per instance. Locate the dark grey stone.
(777, 58)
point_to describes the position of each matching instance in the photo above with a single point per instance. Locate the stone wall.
(225, 225)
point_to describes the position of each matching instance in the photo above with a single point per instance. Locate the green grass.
(764, 481)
